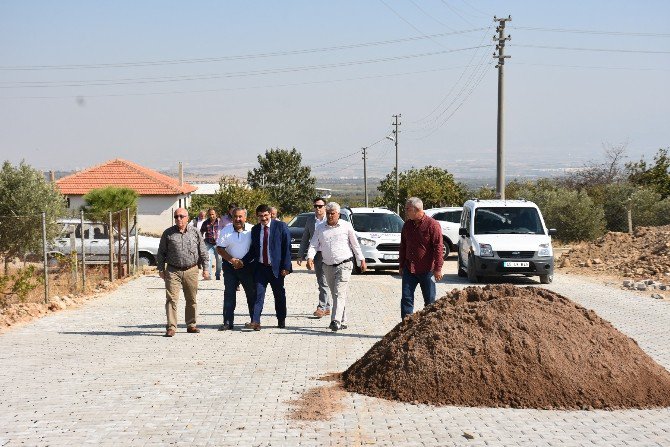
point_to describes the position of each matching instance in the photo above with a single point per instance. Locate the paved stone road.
(103, 375)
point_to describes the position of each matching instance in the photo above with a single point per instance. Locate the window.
(377, 222)
(300, 220)
(507, 220)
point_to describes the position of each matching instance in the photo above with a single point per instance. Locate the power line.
(233, 58)
(408, 22)
(596, 67)
(350, 155)
(606, 50)
(587, 31)
(294, 84)
(455, 11)
(163, 79)
(444, 99)
(430, 16)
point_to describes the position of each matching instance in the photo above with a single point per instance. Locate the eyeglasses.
(319, 206)
(330, 213)
(179, 216)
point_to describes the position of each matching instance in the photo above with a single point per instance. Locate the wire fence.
(46, 256)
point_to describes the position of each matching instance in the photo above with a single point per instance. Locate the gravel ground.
(103, 374)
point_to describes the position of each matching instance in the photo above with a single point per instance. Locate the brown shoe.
(326, 312)
(318, 313)
(193, 330)
(169, 333)
(252, 325)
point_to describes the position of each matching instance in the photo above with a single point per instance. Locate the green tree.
(99, 202)
(287, 182)
(24, 194)
(656, 176)
(233, 191)
(200, 202)
(573, 213)
(435, 186)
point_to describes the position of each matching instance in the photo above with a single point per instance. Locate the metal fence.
(75, 259)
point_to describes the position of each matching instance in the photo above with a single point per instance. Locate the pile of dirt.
(642, 255)
(507, 346)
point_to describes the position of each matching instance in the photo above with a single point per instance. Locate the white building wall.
(154, 213)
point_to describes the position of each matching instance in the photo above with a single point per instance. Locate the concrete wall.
(154, 213)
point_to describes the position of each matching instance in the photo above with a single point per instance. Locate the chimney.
(181, 174)
(52, 176)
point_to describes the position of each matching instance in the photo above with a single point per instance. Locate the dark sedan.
(296, 226)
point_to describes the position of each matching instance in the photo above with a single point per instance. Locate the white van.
(504, 237)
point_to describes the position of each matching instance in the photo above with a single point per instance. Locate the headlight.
(545, 250)
(367, 242)
(485, 250)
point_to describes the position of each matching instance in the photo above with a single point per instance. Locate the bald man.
(180, 253)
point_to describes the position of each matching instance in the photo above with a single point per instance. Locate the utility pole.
(365, 175)
(396, 123)
(500, 48)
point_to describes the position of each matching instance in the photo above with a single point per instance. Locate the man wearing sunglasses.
(323, 308)
(180, 253)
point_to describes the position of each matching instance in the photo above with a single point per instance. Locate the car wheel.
(445, 250)
(143, 261)
(472, 277)
(461, 273)
(546, 279)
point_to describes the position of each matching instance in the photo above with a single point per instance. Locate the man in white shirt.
(323, 308)
(197, 221)
(238, 265)
(339, 249)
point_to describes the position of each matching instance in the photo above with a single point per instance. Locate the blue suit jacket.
(280, 247)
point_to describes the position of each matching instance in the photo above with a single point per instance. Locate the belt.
(340, 263)
(182, 269)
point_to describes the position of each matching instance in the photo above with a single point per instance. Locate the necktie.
(266, 238)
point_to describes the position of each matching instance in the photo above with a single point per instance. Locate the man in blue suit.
(271, 248)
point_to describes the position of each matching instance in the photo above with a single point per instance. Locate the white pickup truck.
(96, 243)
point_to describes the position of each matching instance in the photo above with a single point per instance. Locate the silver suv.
(96, 242)
(378, 232)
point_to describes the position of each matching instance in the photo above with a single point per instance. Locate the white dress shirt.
(236, 243)
(336, 243)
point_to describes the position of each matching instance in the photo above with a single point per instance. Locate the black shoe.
(343, 325)
(335, 326)
(226, 326)
(281, 324)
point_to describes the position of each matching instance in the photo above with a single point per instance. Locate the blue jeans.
(233, 278)
(409, 283)
(211, 249)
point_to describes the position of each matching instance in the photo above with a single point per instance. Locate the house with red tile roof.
(159, 194)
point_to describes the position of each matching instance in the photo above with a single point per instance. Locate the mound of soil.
(507, 346)
(644, 254)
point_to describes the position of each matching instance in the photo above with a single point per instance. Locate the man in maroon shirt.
(421, 259)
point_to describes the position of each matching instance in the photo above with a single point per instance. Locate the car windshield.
(299, 220)
(507, 220)
(377, 222)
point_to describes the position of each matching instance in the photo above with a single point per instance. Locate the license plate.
(515, 264)
(392, 257)
(295, 245)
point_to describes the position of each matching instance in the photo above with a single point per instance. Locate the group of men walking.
(260, 255)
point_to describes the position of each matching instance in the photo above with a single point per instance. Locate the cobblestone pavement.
(104, 375)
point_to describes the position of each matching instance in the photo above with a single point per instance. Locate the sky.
(213, 84)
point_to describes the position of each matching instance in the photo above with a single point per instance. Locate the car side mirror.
(552, 231)
(463, 232)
